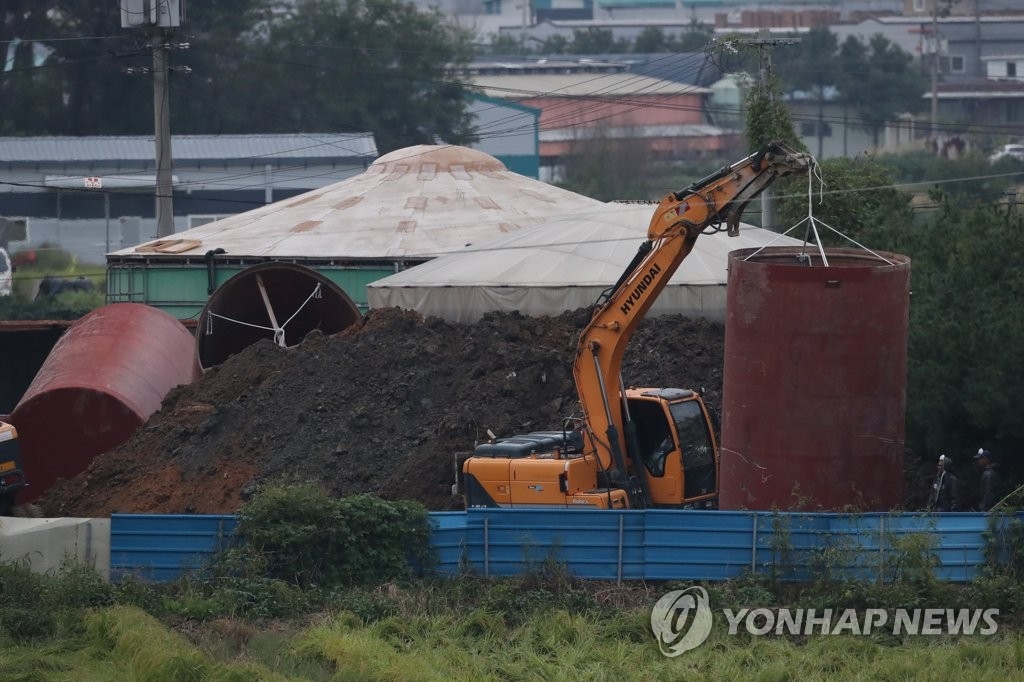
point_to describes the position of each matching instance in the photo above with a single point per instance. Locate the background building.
(93, 195)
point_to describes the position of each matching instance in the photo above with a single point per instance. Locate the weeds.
(299, 534)
(1004, 545)
(37, 606)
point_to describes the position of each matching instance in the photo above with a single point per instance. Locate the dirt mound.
(379, 408)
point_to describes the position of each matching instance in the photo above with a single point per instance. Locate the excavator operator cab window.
(653, 432)
(695, 442)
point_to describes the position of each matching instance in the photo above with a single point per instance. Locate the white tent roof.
(417, 202)
(565, 264)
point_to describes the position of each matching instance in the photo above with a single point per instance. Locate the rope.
(278, 332)
(315, 294)
(246, 324)
(813, 223)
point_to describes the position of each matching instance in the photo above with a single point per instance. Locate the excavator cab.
(675, 443)
(12, 478)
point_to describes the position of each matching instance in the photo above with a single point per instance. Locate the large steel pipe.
(102, 380)
(814, 386)
(278, 301)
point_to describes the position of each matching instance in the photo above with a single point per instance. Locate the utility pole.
(977, 38)
(157, 16)
(162, 128)
(935, 68)
(763, 42)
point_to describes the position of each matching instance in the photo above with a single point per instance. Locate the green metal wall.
(528, 165)
(181, 290)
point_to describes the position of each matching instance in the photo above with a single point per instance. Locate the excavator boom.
(672, 453)
(677, 222)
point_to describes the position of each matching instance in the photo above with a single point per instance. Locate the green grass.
(125, 643)
(122, 643)
(563, 646)
(543, 625)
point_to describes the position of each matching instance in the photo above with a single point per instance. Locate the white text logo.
(681, 620)
(852, 622)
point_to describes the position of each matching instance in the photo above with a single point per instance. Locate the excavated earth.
(382, 407)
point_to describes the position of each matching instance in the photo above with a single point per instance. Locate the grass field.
(125, 643)
(282, 606)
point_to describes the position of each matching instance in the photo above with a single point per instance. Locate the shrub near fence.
(628, 545)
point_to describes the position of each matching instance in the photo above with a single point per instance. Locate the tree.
(879, 81)
(651, 39)
(98, 97)
(506, 43)
(607, 168)
(368, 65)
(375, 66)
(858, 200)
(18, 75)
(593, 41)
(811, 65)
(46, 82)
(556, 44)
(768, 119)
(228, 83)
(695, 39)
(966, 324)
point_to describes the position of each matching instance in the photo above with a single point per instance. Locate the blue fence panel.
(697, 544)
(616, 545)
(959, 542)
(856, 547)
(161, 546)
(1006, 532)
(604, 545)
(788, 543)
(449, 540)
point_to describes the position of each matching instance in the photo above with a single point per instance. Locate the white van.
(6, 274)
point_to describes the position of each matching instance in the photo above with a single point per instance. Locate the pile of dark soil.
(380, 408)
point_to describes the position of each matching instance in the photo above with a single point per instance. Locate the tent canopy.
(414, 203)
(565, 264)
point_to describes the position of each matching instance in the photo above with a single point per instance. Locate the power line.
(998, 129)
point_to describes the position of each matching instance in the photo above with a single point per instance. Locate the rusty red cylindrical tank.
(102, 380)
(248, 307)
(814, 386)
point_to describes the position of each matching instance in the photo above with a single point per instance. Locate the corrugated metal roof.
(417, 202)
(598, 85)
(636, 132)
(187, 147)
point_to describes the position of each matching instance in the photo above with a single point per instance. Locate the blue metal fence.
(616, 545)
(161, 546)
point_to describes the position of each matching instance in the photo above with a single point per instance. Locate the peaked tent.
(565, 264)
(410, 205)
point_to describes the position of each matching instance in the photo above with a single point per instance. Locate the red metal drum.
(102, 380)
(814, 386)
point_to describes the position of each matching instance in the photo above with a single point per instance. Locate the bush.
(299, 534)
(34, 605)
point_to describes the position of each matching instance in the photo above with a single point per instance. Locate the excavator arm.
(678, 220)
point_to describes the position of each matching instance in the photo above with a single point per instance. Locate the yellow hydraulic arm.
(678, 220)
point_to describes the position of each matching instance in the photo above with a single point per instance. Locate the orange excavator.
(634, 447)
(12, 478)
